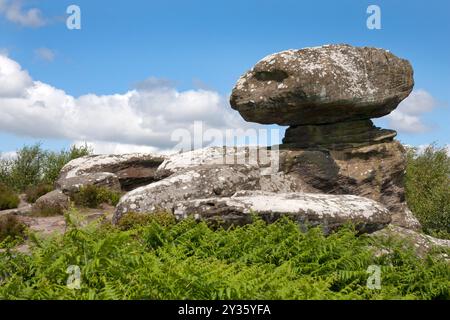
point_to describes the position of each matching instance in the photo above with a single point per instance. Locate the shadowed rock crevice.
(275, 75)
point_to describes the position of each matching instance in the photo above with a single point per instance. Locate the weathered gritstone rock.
(131, 170)
(331, 211)
(422, 243)
(199, 182)
(342, 135)
(206, 181)
(375, 172)
(404, 218)
(328, 84)
(56, 201)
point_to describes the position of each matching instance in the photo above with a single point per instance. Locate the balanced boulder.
(321, 85)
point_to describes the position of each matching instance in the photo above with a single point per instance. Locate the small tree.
(428, 189)
(26, 167)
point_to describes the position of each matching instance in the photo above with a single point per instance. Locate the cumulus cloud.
(407, 117)
(45, 54)
(13, 11)
(13, 80)
(101, 147)
(421, 148)
(153, 116)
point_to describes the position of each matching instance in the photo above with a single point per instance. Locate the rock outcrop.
(334, 165)
(208, 180)
(375, 172)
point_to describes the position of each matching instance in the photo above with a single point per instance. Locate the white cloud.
(141, 119)
(421, 148)
(407, 117)
(13, 80)
(8, 155)
(13, 11)
(45, 54)
(100, 147)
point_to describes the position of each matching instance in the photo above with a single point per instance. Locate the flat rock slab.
(327, 84)
(100, 179)
(331, 211)
(131, 170)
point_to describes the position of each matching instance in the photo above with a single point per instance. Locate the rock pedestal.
(341, 135)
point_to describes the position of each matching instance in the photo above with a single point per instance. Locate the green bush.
(25, 168)
(8, 198)
(427, 188)
(92, 196)
(132, 220)
(11, 228)
(33, 166)
(35, 192)
(189, 260)
(55, 161)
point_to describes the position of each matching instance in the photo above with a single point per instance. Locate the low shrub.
(11, 228)
(8, 198)
(427, 187)
(92, 196)
(35, 192)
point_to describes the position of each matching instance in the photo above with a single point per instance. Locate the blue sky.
(204, 46)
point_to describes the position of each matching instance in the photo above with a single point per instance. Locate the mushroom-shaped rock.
(321, 85)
